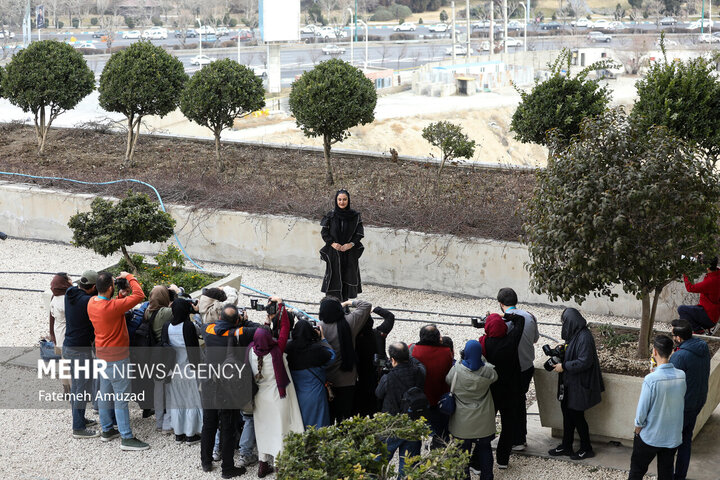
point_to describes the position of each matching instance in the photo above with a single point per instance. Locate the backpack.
(143, 335)
(414, 402)
(134, 318)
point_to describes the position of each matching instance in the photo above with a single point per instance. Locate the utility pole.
(492, 27)
(505, 20)
(356, 20)
(452, 4)
(467, 15)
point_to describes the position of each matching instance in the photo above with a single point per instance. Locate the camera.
(381, 362)
(556, 356)
(478, 322)
(270, 308)
(3, 236)
(121, 283)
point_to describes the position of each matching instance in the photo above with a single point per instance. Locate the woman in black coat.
(342, 230)
(580, 384)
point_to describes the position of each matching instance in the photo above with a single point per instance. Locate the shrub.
(451, 141)
(75, 22)
(382, 14)
(157, 21)
(94, 21)
(60, 24)
(232, 23)
(130, 22)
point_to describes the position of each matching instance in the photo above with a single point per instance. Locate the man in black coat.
(369, 343)
(580, 384)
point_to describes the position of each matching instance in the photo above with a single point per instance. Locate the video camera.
(556, 356)
(478, 322)
(270, 308)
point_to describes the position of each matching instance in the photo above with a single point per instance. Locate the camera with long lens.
(382, 363)
(478, 322)
(270, 308)
(556, 356)
(121, 283)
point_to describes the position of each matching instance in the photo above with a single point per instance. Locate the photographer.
(308, 353)
(212, 301)
(369, 346)
(580, 384)
(703, 316)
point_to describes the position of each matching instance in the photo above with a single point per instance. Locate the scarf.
(331, 312)
(305, 350)
(495, 327)
(262, 344)
(59, 284)
(343, 213)
(341, 220)
(181, 310)
(159, 297)
(473, 355)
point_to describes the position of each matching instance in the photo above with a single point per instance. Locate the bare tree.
(655, 9)
(402, 53)
(383, 53)
(315, 54)
(635, 56)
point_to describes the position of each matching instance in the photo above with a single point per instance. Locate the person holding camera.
(580, 384)
(705, 315)
(658, 426)
(112, 344)
(342, 230)
(473, 421)
(213, 300)
(370, 350)
(308, 353)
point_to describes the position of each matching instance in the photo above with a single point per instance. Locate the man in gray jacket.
(340, 331)
(526, 354)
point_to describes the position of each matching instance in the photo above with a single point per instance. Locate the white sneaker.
(475, 471)
(501, 466)
(247, 461)
(519, 448)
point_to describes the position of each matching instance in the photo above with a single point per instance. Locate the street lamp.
(352, 51)
(366, 42)
(526, 22)
(200, 34)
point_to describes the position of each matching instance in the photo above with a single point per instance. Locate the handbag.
(447, 404)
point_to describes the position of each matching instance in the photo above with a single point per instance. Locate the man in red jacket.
(112, 344)
(704, 316)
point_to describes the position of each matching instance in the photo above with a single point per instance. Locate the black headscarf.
(343, 220)
(331, 311)
(572, 323)
(343, 213)
(305, 350)
(181, 310)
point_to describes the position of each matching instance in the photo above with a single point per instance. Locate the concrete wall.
(400, 258)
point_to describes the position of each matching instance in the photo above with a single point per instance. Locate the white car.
(201, 60)
(602, 24)
(481, 24)
(599, 37)
(616, 26)
(131, 34)
(707, 38)
(515, 25)
(309, 29)
(327, 32)
(459, 50)
(406, 27)
(333, 50)
(668, 43)
(157, 33)
(221, 31)
(514, 42)
(6, 34)
(88, 45)
(582, 23)
(205, 30)
(439, 28)
(706, 23)
(259, 70)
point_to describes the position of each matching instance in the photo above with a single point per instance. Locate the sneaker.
(109, 435)
(148, 412)
(582, 454)
(560, 451)
(179, 438)
(233, 472)
(519, 448)
(207, 467)
(133, 443)
(247, 460)
(85, 433)
(216, 456)
(90, 423)
(475, 471)
(501, 466)
(192, 440)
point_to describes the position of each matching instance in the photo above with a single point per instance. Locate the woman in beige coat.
(473, 421)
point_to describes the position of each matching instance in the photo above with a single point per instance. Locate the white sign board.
(280, 20)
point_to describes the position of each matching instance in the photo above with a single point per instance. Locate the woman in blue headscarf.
(474, 419)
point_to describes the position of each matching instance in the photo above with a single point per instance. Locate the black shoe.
(233, 472)
(207, 467)
(148, 412)
(582, 454)
(560, 451)
(192, 440)
(179, 438)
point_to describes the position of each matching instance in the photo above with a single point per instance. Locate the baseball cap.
(88, 279)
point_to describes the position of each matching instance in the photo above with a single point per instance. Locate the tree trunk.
(128, 260)
(129, 140)
(442, 163)
(220, 164)
(326, 150)
(133, 134)
(645, 326)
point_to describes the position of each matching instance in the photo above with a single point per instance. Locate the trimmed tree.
(47, 78)
(141, 80)
(685, 98)
(109, 227)
(559, 103)
(620, 205)
(218, 94)
(450, 139)
(330, 99)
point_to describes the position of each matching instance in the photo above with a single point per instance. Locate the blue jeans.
(408, 448)
(481, 457)
(696, 315)
(118, 383)
(247, 438)
(81, 384)
(682, 462)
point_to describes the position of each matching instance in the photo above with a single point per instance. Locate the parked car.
(616, 26)
(668, 21)
(206, 30)
(599, 37)
(551, 26)
(439, 28)
(406, 27)
(6, 34)
(189, 33)
(259, 70)
(706, 23)
(88, 45)
(209, 38)
(707, 38)
(242, 35)
(668, 42)
(333, 50)
(481, 24)
(459, 50)
(201, 60)
(582, 23)
(601, 24)
(155, 33)
(514, 25)
(100, 34)
(309, 29)
(222, 31)
(513, 42)
(131, 34)
(327, 32)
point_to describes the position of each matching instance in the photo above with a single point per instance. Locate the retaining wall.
(444, 263)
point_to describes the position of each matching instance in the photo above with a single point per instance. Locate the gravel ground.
(37, 445)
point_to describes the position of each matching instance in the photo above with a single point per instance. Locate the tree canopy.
(220, 93)
(47, 78)
(450, 139)
(109, 227)
(329, 100)
(620, 205)
(141, 80)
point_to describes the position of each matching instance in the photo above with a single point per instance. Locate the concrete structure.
(613, 418)
(474, 266)
(474, 77)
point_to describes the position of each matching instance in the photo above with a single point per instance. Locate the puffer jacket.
(693, 358)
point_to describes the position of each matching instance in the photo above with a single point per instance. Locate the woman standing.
(308, 354)
(342, 230)
(276, 406)
(58, 286)
(474, 419)
(183, 393)
(580, 384)
(157, 314)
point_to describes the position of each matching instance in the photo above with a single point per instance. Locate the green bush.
(232, 23)
(382, 14)
(60, 24)
(94, 21)
(75, 22)
(156, 21)
(130, 22)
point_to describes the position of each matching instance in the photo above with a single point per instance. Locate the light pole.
(352, 33)
(200, 36)
(467, 15)
(452, 4)
(505, 26)
(492, 27)
(702, 18)
(366, 42)
(526, 22)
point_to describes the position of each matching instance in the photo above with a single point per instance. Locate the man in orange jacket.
(703, 316)
(112, 344)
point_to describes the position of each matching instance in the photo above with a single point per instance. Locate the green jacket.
(163, 315)
(474, 415)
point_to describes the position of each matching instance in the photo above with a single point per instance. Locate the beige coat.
(211, 309)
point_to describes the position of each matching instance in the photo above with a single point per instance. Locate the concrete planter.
(613, 419)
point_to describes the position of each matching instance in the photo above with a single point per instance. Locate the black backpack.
(414, 402)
